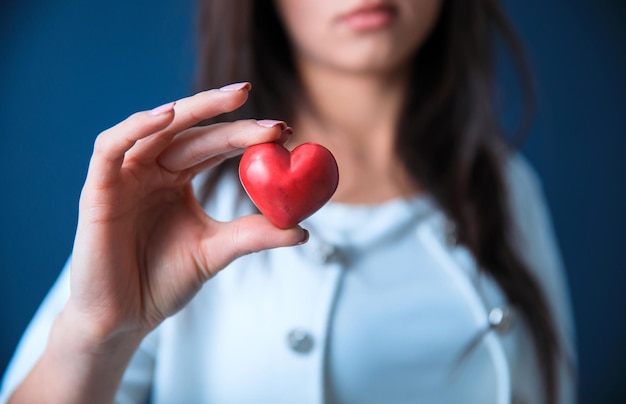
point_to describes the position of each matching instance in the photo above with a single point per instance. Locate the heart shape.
(287, 187)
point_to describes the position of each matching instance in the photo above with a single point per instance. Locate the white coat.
(380, 306)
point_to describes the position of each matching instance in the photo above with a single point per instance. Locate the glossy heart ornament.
(287, 187)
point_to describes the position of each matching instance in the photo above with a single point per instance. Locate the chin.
(376, 63)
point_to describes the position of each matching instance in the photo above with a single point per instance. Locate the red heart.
(288, 187)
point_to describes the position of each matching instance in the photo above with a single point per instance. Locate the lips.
(369, 17)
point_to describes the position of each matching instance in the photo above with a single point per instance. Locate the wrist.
(86, 335)
(78, 364)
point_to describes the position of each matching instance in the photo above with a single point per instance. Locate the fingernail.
(285, 135)
(270, 123)
(305, 237)
(163, 109)
(237, 86)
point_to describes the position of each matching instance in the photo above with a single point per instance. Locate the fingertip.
(272, 123)
(256, 232)
(163, 109)
(237, 87)
(305, 237)
(285, 136)
(285, 130)
(225, 99)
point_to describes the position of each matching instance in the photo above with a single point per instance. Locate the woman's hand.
(144, 246)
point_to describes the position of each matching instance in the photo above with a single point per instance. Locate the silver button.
(300, 341)
(327, 253)
(500, 319)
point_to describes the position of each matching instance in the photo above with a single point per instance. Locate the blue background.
(70, 69)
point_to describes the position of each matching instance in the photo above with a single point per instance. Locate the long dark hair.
(448, 138)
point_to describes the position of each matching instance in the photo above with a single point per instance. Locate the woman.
(431, 276)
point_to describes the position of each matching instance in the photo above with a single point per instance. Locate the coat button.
(500, 319)
(300, 341)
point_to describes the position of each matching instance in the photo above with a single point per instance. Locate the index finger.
(189, 112)
(192, 110)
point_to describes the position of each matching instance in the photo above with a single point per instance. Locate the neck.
(355, 116)
(357, 105)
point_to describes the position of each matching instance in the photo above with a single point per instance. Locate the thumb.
(249, 234)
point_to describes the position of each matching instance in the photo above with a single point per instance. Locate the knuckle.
(106, 146)
(194, 154)
(102, 143)
(197, 115)
(135, 120)
(235, 237)
(137, 116)
(105, 140)
(239, 240)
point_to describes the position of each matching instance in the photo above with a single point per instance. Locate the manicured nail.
(305, 237)
(163, 109)
(237, 86)
(270, 123)
(284, 136)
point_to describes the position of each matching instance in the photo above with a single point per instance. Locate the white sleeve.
(536, 243)
(137, 379)
(34, 339)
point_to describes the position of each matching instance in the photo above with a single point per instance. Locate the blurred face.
(360, 36)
